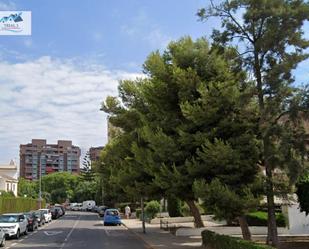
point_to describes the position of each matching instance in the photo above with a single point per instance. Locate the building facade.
(39, 158)
(9, 177)
(94, 153)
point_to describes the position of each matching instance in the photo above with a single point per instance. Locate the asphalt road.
(78, 230)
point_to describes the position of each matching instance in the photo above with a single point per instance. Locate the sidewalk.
(157, 238)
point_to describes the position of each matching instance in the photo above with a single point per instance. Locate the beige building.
(39, 158)
(9, 177)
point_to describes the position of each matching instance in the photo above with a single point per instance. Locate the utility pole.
(40, 182)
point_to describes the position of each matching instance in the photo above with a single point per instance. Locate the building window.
(8, 187)
(13, 187)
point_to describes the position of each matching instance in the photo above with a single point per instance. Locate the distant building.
(94, 153)
(10, 170)
(38, 157)
(9, 177)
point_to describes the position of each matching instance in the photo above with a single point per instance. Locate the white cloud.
(53, 99)
(7, 5)
(142, 28)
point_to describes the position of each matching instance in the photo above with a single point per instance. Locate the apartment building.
(39, 158)
(94, 153)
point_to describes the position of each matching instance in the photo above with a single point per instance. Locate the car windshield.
(8, 218)
(112, 212)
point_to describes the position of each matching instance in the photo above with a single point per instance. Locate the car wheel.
(105, 224)
(17, 235)
(3, 242)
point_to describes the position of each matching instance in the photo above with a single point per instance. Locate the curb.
(139, 236)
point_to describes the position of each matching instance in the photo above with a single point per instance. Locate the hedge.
(213, 240)
(259, 218)
(18, 204)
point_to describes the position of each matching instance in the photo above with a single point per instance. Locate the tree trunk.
(195, 213)
(272, 235)
(244, 227)
(143, 215)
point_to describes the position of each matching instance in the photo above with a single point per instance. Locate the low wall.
(185, 219)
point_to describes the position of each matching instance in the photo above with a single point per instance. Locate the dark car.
(32, 221)
(56, 212)
(101, 210)
(40, 216)
(62, 208)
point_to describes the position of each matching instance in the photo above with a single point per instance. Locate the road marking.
(69, 234)
(51, 233)
(107, 232)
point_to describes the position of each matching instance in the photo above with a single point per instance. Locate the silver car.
(2, 237)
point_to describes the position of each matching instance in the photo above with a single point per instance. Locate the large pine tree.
(271, 44)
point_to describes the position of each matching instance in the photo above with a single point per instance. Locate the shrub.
(185, 210)
(259, 218)
(18, 204)
(212, 240)
(152, 208)
(138, 213)
(173, 206)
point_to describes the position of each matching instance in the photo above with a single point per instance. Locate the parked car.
(14, 224)
(101, 210)
(32, 221)
(95, 209)
(62, 208)
(40, 216)
(2, 237)
(47, 214)
(56, 212)
(112, 217)
(72, 205)
(77, 207)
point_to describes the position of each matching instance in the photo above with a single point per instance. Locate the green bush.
(259, 218)
(185, 210)
(152, 208)
(174, 207)
(138, 212)
(18, 204)
(217, 241)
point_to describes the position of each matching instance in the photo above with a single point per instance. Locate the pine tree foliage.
(194, 98)
(271, 44)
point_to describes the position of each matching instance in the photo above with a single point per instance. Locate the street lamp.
(40, 186)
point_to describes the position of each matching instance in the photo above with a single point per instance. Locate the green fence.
(18, 204)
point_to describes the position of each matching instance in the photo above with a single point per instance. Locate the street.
(78, 230)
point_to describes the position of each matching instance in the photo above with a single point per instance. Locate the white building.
(9, 177)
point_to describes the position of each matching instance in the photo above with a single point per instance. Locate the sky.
(53, 82)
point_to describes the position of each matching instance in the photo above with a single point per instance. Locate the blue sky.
(52, 82)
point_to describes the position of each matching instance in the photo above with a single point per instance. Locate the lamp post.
(40, 186)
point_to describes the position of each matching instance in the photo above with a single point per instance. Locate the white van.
(88, 205)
